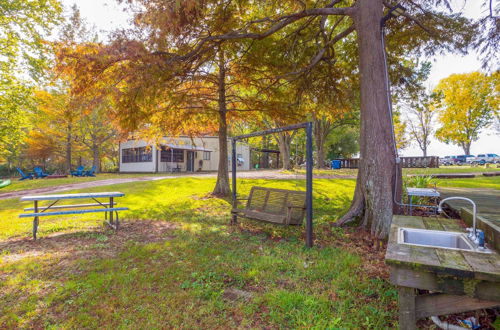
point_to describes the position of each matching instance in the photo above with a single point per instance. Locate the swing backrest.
(277, 205)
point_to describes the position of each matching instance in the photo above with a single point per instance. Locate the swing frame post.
(308, 126)
(309, 188)
(233, 170)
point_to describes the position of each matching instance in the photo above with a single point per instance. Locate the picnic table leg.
(111, 212)
(35, 220)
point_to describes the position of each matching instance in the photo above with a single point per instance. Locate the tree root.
(355, 211)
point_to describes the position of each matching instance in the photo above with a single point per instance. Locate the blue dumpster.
(335, 164)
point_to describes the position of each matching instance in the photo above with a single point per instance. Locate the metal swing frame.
(308, 126)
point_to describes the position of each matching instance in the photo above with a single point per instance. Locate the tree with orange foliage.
(56, 120)
(96, 132)
(179, 36)
(153, 97)
(41, 147)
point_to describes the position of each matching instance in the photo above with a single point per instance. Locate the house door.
(190, 161)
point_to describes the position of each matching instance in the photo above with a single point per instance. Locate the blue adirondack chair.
(24, 176)
(91, 172)
(39, 174)
(79, 171)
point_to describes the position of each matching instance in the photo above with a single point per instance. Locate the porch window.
(172, 155)
(137, 155)
(206, 155)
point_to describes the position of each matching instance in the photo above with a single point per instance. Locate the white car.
(447, 160)
(486, 158)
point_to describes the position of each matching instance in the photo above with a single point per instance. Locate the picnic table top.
(72, 196)
(425, 192)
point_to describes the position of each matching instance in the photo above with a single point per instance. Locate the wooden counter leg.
(407, 319)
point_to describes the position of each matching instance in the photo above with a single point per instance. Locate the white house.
(178, 154)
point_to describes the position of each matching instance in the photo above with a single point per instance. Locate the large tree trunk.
(466, 147)
(222, 185)
(321, 130)
(374, 196)
(284, 143)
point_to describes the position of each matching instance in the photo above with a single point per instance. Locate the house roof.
(184, 147)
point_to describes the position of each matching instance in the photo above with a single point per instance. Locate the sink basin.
(435, 238)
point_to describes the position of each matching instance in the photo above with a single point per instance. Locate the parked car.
(482, 159)
(447, 160)
(469, 160)
(462, 159)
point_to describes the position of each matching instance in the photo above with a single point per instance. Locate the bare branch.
(319, 56)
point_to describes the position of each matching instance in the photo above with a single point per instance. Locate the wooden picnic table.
(40, 211)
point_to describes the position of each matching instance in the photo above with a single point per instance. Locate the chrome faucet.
(473, 232)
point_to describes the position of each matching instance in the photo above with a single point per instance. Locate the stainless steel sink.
(435, 238)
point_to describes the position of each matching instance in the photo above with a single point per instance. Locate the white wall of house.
(206, 155)
(148, 166)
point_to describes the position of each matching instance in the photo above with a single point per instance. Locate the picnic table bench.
(98, 206)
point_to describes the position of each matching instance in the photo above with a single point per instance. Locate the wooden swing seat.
(280, 206)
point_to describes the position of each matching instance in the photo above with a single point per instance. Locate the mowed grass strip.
(406, 171)
(17, 185)
(477, 182)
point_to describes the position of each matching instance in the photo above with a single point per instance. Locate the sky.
(107, 16)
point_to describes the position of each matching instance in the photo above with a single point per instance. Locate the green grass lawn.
(478, 182)
(450, 169)
(177, 263)
(406, 171)
(17, 185)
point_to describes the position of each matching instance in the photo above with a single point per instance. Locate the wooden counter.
(459, 280)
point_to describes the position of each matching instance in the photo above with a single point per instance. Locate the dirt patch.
(234, 294)
(371, 250)
(95, 242)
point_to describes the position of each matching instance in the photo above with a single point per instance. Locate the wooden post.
(398, 189)
(407, 319)
(35, 221)
(309, 185)
(233, 180)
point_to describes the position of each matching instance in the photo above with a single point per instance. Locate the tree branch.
(413, 19)
(319, 56)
